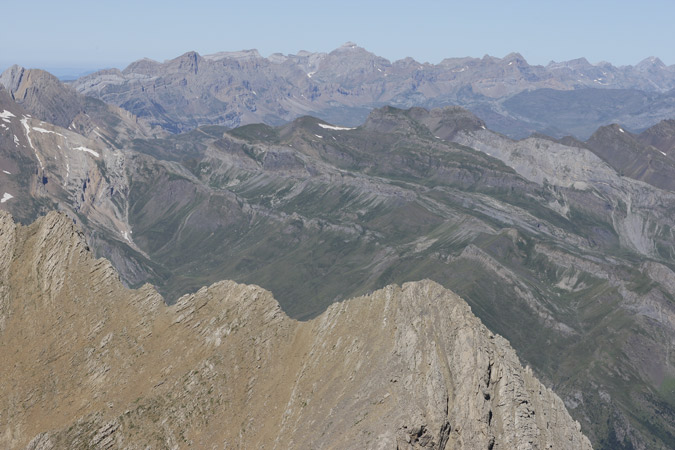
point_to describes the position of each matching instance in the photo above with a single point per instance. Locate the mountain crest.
(405, 367)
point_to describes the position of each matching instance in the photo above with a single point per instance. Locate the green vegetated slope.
(553, 249)
(318, 214)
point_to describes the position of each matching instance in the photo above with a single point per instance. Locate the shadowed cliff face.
(89, 362)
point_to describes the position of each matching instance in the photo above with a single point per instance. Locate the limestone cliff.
(88, 363)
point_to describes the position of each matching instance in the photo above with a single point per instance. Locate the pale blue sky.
(89, 34)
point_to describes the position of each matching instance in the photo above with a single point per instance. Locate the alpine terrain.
(102, 366)
(564, 245)
(512, 96)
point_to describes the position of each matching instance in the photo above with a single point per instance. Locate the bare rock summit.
(88, 363)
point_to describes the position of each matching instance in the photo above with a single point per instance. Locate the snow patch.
(88, 150)
(24, 122)
(5, 115)
(6, 197)
(16, 140)
(65, 181)
(309, 75)
(331, 127)
(3, 125)
(663, 153)
(8, 173)
(483, 127)
(320, 137)
(621, 130)
(42, 130)
(126, 236)
(379, 70)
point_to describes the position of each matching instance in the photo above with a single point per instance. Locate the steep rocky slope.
(550, 246)
(635, 156)
(43, 96)
(238, 88)
(80, 167)
(89, 363)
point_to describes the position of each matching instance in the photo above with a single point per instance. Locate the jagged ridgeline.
(512, 96)
(88, 363)
(564, 247)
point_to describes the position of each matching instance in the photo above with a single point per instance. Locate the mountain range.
(563, 246)
(511, 96)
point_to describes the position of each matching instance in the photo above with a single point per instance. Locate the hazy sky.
(87, 34)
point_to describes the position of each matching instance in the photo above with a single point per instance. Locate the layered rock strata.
(88, 363)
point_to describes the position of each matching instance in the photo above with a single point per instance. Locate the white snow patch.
(88, 150)
(621, 130)
(16, 140)
(663, 153)
(310, 74)
(6, 197)
(320, 137)
(3, 125)
(379, 70)
(24, 122)
(254, 93)
(9, 173)
(126, 236)
(483, 127)
(511, 63)
(42, 130)
(331, 127)
(65, 181)
(5, 115)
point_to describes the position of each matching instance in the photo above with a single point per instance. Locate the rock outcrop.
(89, 363)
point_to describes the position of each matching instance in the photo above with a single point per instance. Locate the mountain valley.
(564, 247)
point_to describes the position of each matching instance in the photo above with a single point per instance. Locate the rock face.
(89, 363)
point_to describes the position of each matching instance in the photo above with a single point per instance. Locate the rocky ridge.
(91, 363)
(551, 246)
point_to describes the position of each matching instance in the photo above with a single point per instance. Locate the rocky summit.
(88, 363)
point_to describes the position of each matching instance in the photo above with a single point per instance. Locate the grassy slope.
(315, 239)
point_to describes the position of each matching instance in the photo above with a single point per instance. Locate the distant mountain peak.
(514, 56)
(239, 55)
(650, 63)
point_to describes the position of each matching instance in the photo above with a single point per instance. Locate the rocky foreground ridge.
(88, 363)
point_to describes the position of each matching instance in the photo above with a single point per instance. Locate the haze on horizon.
(73, 35)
